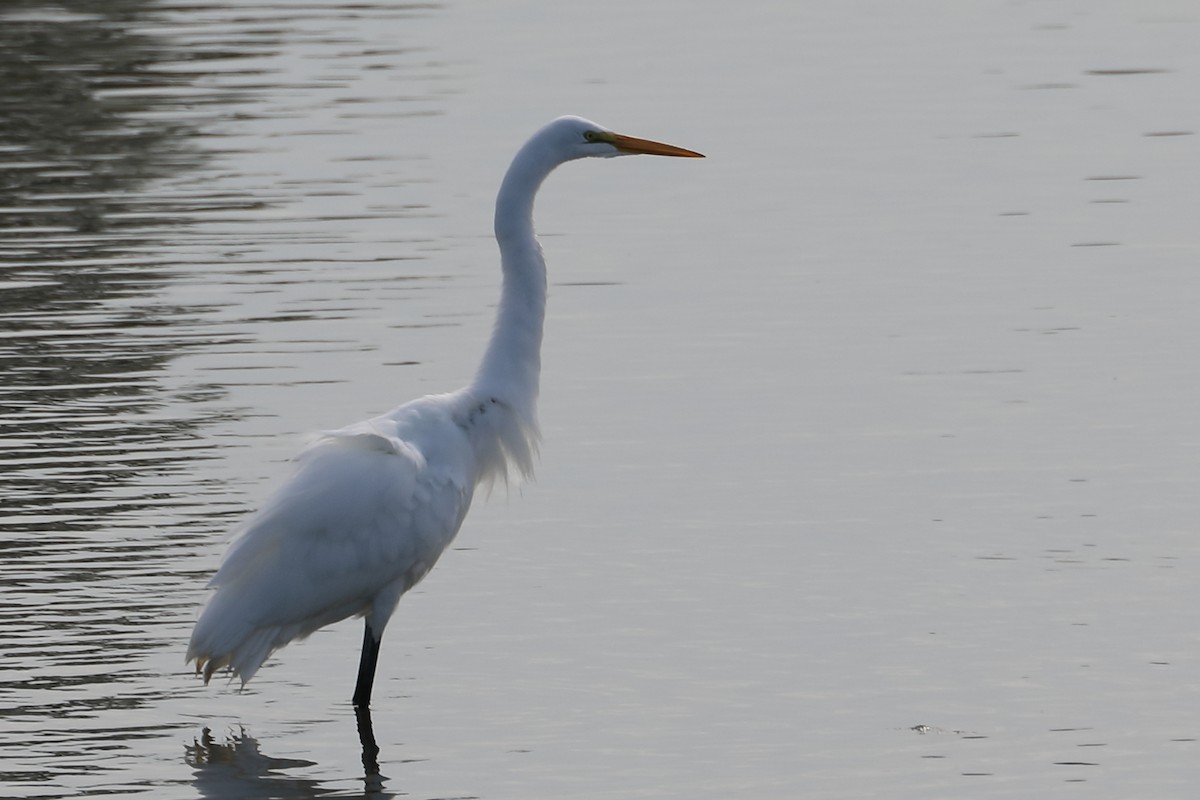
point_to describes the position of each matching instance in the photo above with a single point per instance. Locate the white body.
(367, 513)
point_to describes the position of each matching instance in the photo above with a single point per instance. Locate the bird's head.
(576, 137)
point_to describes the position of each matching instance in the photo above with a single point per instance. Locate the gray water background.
(871, 446)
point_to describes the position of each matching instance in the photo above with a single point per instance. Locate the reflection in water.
(92, 440)
(85, 147)
(118, 183)
(366, 735)
(89, 437)
(236, 767)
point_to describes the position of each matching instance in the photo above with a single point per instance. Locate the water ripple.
(145, 182)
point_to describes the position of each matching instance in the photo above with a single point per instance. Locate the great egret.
(370, 507)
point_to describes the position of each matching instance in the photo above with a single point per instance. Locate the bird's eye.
(590, 136)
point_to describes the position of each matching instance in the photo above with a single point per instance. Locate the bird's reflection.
(235, 767)
(370, 750)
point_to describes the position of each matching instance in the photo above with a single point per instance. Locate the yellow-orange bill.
(630, 144)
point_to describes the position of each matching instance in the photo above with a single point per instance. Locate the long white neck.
(511, 364)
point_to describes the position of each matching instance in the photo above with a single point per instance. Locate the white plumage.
(371, 507)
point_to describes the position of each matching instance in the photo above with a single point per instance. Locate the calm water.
(871, 441)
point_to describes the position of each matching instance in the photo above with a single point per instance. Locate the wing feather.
(364, 517)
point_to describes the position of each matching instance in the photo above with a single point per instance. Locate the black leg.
(366, 668)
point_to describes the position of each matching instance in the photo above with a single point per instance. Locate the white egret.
(370, 507)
